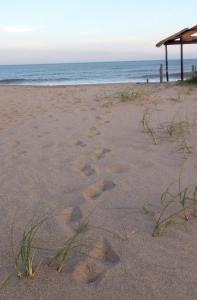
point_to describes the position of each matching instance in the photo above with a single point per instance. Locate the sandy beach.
(105, 153)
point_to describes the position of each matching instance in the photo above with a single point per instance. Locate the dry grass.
(184, 147)
(146, 123)
(176, 99)
(175, 207)
(129, 96)
(178, 130)
(5, 282)
(133, 96)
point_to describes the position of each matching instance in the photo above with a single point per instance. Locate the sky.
(55, 31)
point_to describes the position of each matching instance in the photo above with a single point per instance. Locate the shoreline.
(90, 84)
(187, 75)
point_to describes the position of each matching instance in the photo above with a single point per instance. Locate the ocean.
(90, 73)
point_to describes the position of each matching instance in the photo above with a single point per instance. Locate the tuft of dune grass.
(24, 258)
(175, 207)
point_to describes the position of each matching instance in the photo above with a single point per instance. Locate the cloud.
(13, 29)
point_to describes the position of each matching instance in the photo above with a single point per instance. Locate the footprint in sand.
(93, 128)
(83, 167)
(99, 153)
(64, 221)
(70, 214)
(43, 146)
(103, 251)
(88, 272)
(117, 168)
(80, 143)
(96, 189)
(93, 132)
(77, 142)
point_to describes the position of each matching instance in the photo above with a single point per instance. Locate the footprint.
(87, 272)
(94, 132)
(80, 143)
(93, 128)
(104, 252)
(77, 142)
(117, 168)
(43, 146)
(70, 214)
(100, 153)
(83, 167)
(96, 189)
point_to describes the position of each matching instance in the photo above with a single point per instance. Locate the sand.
(80, 151)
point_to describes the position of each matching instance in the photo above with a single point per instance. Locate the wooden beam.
(194, 41)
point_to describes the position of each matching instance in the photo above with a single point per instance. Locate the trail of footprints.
(102, 253)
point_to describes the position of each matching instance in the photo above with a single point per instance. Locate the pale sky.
(50, 31)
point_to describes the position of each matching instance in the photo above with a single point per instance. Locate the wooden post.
(161, 73)
(182, 69)
(167, 75)
(193, 71)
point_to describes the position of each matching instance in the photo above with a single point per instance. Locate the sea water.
(90, 73)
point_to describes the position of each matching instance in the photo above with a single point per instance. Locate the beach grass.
(175, 207)
(192, 80)
(69, 245)
(176, 130)
(132, 95)
(4, 283)
(24, 259)
(148, 128)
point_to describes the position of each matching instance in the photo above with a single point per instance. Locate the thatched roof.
(185, 36)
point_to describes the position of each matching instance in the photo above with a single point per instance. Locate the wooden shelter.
(185, 36)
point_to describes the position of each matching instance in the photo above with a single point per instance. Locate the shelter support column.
(182, 68)
(167, 74)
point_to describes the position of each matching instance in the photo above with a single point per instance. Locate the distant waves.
(90, 73)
